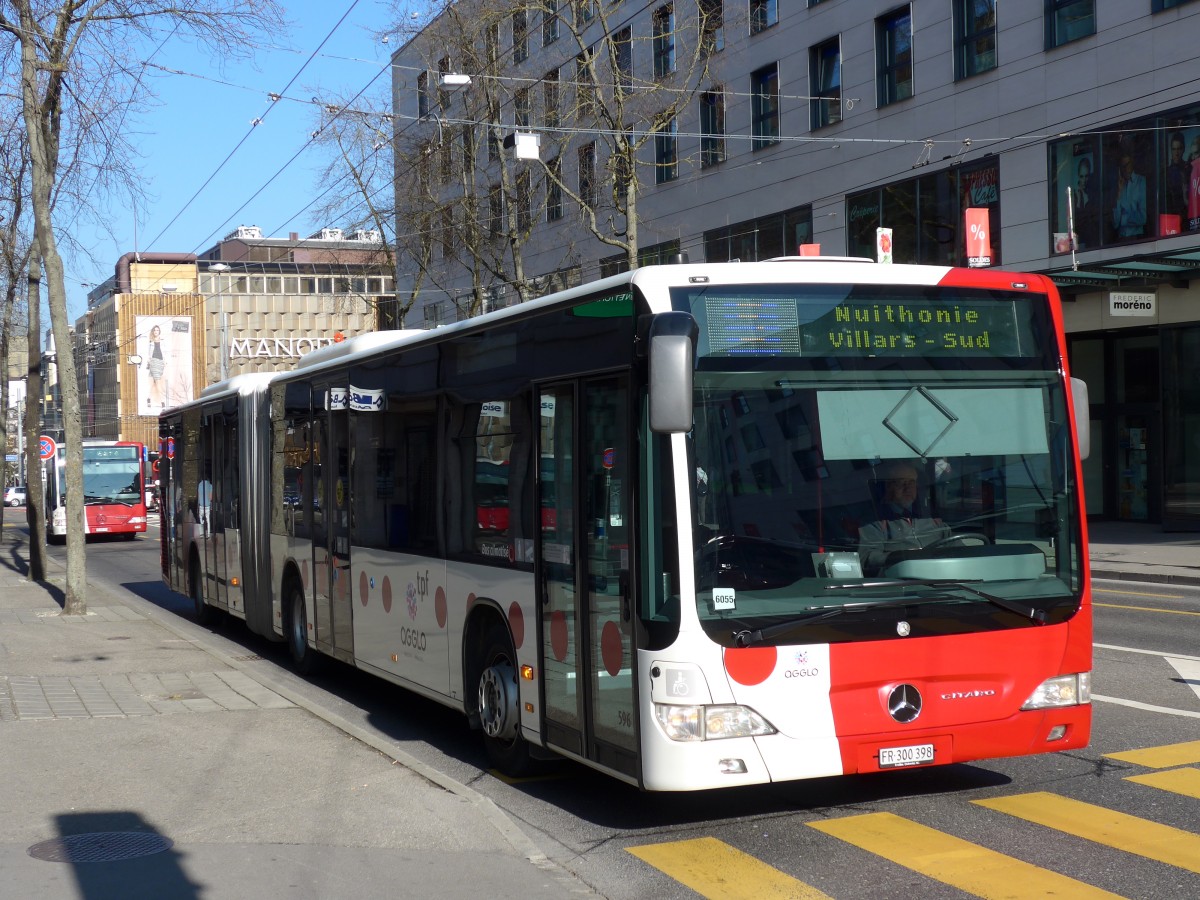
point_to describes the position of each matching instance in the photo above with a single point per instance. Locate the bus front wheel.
(499, 706)
(304, 657)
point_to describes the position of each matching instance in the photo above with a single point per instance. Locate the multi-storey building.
(167, 325)
(957, 124)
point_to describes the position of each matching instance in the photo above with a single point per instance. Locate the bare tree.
(14, 248)
(604, 100)
(63, 46)
(357, 180)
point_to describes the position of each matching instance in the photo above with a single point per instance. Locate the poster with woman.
(164, 346)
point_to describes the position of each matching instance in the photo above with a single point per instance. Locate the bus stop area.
(139, 761)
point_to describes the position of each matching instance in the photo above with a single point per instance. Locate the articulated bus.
(624, 523)
(114, 500)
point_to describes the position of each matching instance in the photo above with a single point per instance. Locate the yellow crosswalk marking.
(718, 871)
(1177, 781)
(953, 861)
(1152, 840)
(1185, 754)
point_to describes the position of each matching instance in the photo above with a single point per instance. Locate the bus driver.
(900, 525)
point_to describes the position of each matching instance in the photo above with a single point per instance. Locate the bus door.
(333, 591)
(214, 457)
(585, 581)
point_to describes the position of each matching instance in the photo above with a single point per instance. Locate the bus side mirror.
(1079, 394)
(672, 340)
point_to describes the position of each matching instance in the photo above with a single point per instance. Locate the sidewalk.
(137, 762)
(1136, 552)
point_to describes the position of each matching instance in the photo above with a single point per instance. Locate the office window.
(664, 40)
(666, 153)
(493, 130)
(587, 173)
(554, 195)
(423, 93)
(763, 14)
(447, 232)
(521, 108)
(712, 128)
(495, 210)
(622, 50)
(443, 94)
(1069, 20)
(550, 99)
(893, 42)
(585, 11)
(491, 43)
(549, 22)
(1160, 5)
(712, 25)
(764, 107)
(520, 31)
(825, 75)
(524, 201)
(974, 37)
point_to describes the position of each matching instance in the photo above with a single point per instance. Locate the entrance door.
(210, 501)
(585, 580)
(1138, 425)
(333, 591)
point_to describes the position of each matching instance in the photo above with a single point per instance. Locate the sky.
(199, 192)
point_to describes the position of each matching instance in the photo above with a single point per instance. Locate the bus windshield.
(873, 453)
(112, 475)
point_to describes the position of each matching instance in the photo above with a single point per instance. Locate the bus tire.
(201, 611)
(304, 657)
(499, 705)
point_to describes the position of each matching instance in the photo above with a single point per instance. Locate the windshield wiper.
(748, 638)
(1032, 613)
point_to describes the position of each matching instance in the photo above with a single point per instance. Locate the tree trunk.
(35, 493)
(42, 124)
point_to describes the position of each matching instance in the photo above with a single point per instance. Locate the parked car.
(14, 496)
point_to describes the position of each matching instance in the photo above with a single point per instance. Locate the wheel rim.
(497, 701)
(299, 631)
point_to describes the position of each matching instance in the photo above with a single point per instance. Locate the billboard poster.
(164, 379)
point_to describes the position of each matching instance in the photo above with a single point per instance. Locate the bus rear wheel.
(201, 611)
(304, 657)
(499, 706)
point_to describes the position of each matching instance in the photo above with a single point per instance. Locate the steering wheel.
(963, 539)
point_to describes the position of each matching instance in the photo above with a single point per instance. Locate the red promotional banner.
(979, 240)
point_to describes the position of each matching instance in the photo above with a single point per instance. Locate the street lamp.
(220, 267)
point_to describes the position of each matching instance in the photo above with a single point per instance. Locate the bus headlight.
(710, 723)
(1062, 690)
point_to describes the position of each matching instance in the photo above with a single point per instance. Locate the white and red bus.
(114, 500)
(676, 592)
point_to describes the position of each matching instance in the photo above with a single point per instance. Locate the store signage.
(1131, 303)
(275, 347)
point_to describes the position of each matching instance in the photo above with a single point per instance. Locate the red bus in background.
(114, 494)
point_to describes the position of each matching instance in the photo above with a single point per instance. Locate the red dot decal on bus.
(386, 593)
(439, 607)
(558, 634)
(611, 649)
(516, 624)
(750, 665)
(362, 588)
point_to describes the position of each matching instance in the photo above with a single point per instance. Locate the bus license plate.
(891, 757)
